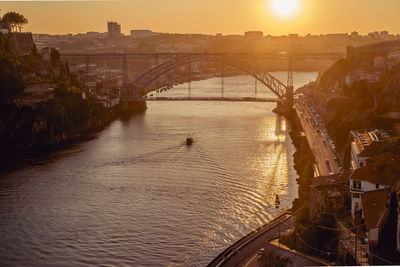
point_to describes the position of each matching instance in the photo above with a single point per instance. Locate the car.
(260, 252)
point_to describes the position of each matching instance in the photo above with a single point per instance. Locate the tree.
(14, 20)
(11, 83)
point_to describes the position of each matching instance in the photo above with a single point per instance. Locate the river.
(137, 195)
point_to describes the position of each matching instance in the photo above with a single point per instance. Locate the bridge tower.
(290, 87)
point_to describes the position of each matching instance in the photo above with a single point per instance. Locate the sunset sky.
(209, 16)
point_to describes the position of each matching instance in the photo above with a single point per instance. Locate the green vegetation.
(61, 115)
(11, 83)
(366, 106)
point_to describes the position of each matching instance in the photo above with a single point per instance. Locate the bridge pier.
(132, 106)
(284, 108)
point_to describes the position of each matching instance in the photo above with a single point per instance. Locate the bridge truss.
(140, 86)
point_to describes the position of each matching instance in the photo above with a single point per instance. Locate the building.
(376, 210)
(328, 193)
(365, 144)
(379, 62)
(374, 35)
(384, 35)
(354, 34)
(337, 35)
(394, 57)
(368, 76)
(142, 33)
(5, 28)
(381, 172)
(254, 34)
(20, 43)
(114, 30)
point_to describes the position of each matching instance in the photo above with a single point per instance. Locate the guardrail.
(230, 251)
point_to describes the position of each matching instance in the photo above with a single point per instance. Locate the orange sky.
(208, 16)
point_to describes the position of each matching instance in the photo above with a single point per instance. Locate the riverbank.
(303, 157)
(32, 131)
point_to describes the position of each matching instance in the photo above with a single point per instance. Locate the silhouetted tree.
(14, 20)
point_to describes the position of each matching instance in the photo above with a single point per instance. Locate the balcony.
(356, 188)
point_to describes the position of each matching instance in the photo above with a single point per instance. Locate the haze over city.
(218, 133)
(210, 16)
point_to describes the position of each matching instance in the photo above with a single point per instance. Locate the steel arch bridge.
(140, 86)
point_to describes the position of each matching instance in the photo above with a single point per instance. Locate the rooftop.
(364, 141)
(383, 169)
(375, 205)
(333, 179)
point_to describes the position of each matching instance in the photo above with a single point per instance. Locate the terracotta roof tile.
(375, 205)
(383, 169)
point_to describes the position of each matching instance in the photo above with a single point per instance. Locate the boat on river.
(277, 201)
(189, 141)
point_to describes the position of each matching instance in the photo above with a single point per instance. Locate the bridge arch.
(139, 87)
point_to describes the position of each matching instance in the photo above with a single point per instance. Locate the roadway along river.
(136, 195)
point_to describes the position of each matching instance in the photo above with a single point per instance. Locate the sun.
(285, 8)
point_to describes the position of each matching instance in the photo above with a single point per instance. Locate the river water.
(136, 195)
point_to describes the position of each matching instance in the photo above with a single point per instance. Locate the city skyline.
(208, 17)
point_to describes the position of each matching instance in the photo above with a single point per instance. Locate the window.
(356, 195)
(356, 184)
(377, 186)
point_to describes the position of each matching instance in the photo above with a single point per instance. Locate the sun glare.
(285, 7)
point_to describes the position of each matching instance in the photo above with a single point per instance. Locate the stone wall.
(20, 44)
(277, 251)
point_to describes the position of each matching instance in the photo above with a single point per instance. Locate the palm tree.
(14, 20)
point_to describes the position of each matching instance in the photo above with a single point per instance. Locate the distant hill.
(362, 54)
(379, 48)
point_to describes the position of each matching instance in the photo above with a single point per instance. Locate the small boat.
(277, 201)
(189, 141)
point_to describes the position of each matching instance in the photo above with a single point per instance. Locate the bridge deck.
(231, 99)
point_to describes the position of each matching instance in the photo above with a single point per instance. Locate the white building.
(381, 172)
(365, 145)
(379, 62)
(394, 57)
(370, 77)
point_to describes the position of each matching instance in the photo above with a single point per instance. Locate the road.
(321, 145)
(244, 252)
(232, 99)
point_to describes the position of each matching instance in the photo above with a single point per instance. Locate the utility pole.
(222, 80)
(190, 81)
